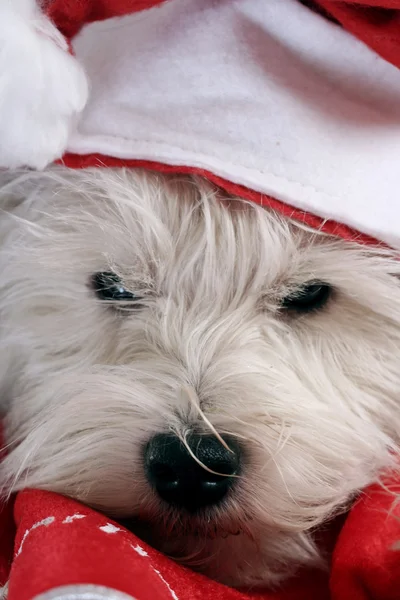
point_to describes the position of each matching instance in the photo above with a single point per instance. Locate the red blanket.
(58, 542)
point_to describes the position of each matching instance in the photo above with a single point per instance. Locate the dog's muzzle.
(195, 476)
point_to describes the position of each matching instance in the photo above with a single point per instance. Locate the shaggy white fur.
(42, 87)
(311, 398)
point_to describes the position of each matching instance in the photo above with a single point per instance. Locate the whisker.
(191, 394)
(199, 462)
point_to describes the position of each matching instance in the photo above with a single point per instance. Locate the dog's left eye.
(108, 286)
(311, 296)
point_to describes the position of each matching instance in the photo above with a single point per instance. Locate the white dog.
(227, 379)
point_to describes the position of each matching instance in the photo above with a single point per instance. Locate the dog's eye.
(311, 296)
(108, 286)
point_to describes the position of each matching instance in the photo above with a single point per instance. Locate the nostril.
(163, 476)
(181, 480)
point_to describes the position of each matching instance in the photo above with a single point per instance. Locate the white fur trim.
(263, 93)
(42, 87)
(83, 592)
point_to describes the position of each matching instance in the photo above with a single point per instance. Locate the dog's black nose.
(180, 480)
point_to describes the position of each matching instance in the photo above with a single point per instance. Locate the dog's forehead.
(173, 231)
(186, 233)
(191, 234)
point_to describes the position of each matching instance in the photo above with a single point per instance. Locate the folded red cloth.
(375, 22)
(60, 543)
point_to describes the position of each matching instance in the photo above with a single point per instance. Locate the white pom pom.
(42, 87)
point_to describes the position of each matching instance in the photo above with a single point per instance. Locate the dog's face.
(225, 378)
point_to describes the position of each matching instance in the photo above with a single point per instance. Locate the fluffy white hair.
(312, 399)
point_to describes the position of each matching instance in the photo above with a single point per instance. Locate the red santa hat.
(271, 100)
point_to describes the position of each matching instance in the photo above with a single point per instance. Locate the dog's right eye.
(108, 286)
(310, 297)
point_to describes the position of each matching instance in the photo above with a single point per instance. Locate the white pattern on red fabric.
(73, 518)
(141, 551)
(173, 595)
(43, 523)
(109, 528)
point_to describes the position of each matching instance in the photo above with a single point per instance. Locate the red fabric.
(71, 15)
(366, 560)
(7, 536)
(54, 547)
(375, 22)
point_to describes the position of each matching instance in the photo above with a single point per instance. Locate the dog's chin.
(228, 547)
(193, 541)
(156, 532)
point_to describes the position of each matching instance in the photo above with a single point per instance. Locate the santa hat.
(271, 100)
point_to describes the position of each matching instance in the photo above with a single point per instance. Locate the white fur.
(313, 399)
(42, 87)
